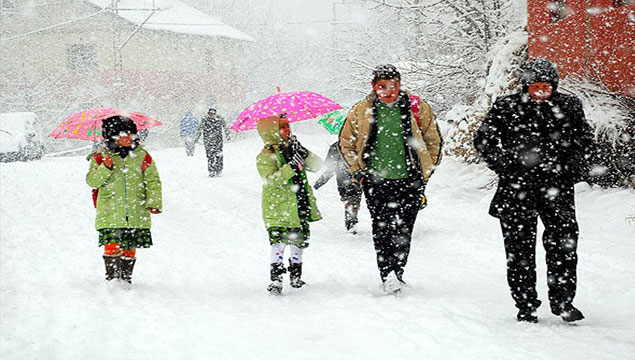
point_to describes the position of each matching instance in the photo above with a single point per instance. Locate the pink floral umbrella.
(299, 105)
(86, 125)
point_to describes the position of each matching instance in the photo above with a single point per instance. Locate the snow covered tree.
(446, 43)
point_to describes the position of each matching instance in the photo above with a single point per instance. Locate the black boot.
(112, 263)
(569, 313)
(277, 269)
(295, 274)
(127, 265)
(527, 313)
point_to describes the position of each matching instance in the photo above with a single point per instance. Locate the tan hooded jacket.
(425, 139)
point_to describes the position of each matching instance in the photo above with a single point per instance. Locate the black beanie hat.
(385, 72)
(540, 70)
(114, 125)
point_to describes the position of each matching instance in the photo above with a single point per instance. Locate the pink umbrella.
(86, 125)
(299, 105)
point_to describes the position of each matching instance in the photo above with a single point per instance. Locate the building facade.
(160, 58)
(594, 39)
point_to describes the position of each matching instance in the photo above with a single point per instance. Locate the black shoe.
(297, 283)
(275, 288)
(527, 312)
(527, 315)
(295, 274)
(113, 265)
(569, 313)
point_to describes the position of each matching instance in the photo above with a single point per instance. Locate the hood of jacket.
(540, 70)
(269, 130)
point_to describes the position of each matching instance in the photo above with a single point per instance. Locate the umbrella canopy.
(333, 121)
(299, 105)
(86, 125)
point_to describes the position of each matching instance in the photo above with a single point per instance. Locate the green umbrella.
(333, 121)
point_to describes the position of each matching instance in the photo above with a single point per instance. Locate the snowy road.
(199, 293)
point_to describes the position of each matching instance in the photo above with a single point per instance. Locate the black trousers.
(560, 238)
(214, 159)
(393, 207)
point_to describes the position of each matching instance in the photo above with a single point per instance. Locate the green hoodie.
(279, 201)
(126, 191)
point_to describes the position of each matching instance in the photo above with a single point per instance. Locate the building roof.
(173, 16)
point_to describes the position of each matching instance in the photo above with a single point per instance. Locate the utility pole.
(118, 61)
(118, 83)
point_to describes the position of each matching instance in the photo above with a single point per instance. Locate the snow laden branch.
(446, 43)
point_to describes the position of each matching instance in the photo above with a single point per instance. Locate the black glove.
(296, 162)
(296, 148)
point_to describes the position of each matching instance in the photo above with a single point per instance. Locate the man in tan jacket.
(392, 145)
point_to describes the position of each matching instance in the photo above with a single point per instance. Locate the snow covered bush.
(613, 119)
(505, 61)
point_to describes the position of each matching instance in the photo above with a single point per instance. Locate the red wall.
(598, 43)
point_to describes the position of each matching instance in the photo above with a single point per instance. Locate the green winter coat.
(279, 201)
(125, 192)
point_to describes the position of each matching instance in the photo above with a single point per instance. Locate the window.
(557, 10)
(81, 57)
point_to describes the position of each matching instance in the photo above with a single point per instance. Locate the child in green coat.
(128, 190)
(288, 204)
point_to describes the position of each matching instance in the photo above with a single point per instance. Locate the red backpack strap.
(99, 158)
(415, 101)
(147, 161)
(95, 196)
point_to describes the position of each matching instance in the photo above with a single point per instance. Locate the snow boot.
(277, 269)
(569, 313)
(295, 274)
(113, 266)
(528, 313)
(127, 265)
(391, 285)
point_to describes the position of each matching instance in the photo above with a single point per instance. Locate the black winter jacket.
(536, 143)
(212, 129)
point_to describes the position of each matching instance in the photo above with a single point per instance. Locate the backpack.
(99, 158)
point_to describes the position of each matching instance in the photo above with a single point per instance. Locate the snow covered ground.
(199, 293)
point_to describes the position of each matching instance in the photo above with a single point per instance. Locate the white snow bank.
(15, 128)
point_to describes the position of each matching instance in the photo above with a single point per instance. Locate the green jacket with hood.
(279, 200)
(126, 191)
